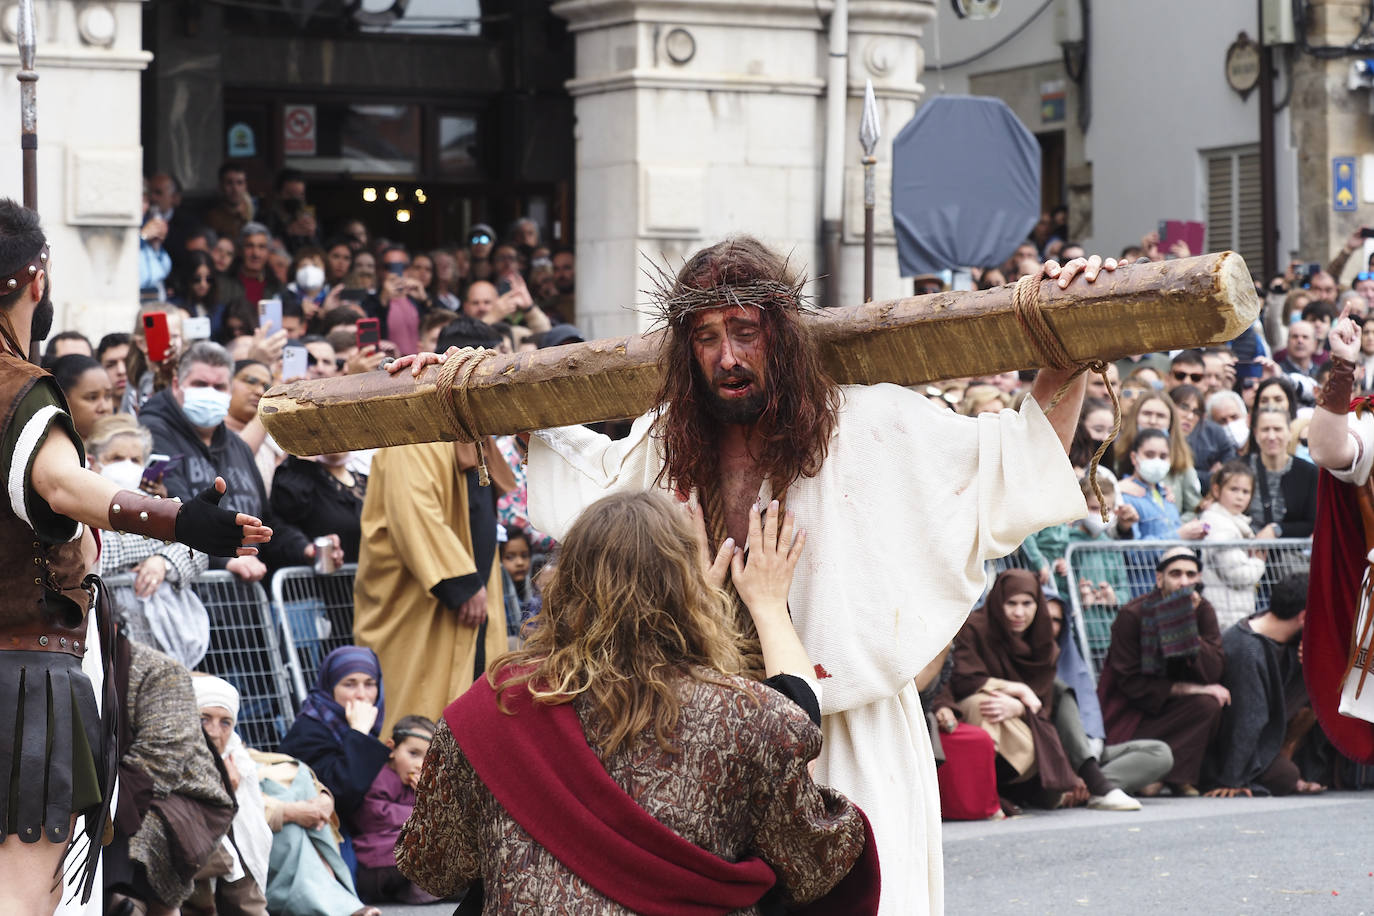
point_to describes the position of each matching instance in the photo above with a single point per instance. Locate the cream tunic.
(910, 502)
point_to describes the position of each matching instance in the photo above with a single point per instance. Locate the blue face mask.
(205, 407)
(1302, 452)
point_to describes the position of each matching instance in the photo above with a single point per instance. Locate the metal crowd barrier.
(316, 615)
(245, 650)
(1237, 579)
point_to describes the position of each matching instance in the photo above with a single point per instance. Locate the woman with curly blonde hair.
(618, 763)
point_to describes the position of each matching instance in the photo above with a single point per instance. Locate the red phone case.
(369, 332)
(156, 334)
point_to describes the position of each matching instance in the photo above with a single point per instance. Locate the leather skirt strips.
(50, 731)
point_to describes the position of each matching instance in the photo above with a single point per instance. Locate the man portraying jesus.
(902, 504)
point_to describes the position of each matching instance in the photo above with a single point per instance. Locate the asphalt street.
(1244, 856)
(1225, 856)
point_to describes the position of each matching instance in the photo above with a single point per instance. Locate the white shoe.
(1115, 800)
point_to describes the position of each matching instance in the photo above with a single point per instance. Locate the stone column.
(701, 118)
(90, 161)
(1329, 119)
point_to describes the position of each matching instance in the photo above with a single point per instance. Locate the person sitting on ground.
(965, 754)
(1269, 716)
(173, 807)
(233, 879)
(1143, 490)
(629, 684)
(1161, 678)
(1131, 766)
(1232, 573)
(337, 732)
(385, 809)
(1005, 660)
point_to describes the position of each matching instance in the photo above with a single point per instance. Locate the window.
(377, 139)
(1234, 195)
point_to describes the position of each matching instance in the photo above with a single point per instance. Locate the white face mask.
(310, 276)
(126, 475)
(1094, 525)
(1152, 470)
(1239, 430)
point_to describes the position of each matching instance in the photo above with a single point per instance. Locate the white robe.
(910, 502)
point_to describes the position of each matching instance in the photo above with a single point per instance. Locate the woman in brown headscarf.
(1004, 669)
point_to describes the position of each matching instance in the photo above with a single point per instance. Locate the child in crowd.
(516, 560)
(385, 809)
(1101, 574)
(1231, 574)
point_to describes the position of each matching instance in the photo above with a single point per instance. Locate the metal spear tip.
(26, 34)
(869, 128)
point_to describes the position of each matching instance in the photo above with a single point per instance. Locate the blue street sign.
(1343, 183)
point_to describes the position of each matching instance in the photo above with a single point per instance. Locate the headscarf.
(339, 664)
(986, 647)
(216, 691)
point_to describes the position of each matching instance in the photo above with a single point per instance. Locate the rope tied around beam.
(1025, 299)
(454, 376)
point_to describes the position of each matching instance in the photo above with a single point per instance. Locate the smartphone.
(195, 328)
(353, 295)
(1367, 232)
(369, 332)
(1248, 370)
(503, 286)
(158, 466)
(156, 334)
(269, 315)
(396, 268)
(295, 362)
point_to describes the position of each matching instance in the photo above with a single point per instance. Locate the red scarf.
(551, 782)
(1333, 592)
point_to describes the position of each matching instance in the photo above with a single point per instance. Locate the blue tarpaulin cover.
(965, 184)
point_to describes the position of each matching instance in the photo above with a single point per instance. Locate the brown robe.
(1138, 705)
(986, 654)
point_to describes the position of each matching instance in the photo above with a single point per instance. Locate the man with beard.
(749, 419)
(53, 762)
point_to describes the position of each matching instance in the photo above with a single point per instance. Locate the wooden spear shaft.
(1140, 308)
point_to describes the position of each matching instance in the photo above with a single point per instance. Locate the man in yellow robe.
(421, 600)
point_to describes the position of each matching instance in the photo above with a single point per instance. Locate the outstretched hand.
(254, 531)
(716, 568)
(764, 578)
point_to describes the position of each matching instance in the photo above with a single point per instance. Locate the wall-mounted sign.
(298, 130)
(1343, 183)
(1051, 101)
(1243, 65)
(241, 141)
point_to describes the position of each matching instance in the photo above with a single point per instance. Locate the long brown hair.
(793, 432)
(626, 617)
(1180, 453)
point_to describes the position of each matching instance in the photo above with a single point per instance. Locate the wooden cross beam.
(1139, 308)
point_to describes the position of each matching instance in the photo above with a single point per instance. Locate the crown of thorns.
(671, 303)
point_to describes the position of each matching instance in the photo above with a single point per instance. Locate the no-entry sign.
(298, 130)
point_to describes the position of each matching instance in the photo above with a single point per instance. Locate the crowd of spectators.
(1211, 448)
(226, 292)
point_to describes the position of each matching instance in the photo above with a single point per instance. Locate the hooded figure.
(992, 659)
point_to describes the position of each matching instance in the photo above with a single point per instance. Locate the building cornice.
(640, 78)
(582, 15)
(81, 59)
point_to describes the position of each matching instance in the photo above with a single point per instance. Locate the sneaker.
(1115, 800)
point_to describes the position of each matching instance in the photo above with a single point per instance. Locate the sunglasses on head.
(1181, 376)
(481, 239)
(1363, 276)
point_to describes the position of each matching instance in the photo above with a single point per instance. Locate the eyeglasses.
(1188, 376)
(1190, 411)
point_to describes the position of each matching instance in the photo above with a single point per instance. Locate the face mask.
(1152, 470)
(1303, 453)
(205, 407)
(310, 276)
(1239, 430)
(126, 475)
(1094, 525)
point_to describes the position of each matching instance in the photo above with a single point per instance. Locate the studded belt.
(43, 639)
